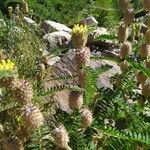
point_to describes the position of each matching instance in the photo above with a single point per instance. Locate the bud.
(82, 57)
(146, 4)
(75, 99)
(123, 4)
(126, 49)
(60, 136)
(10, 11)
(22, 91)
(146, 88)
(147, 36)
(32, 119)
(144, 50)
(17, 9)
(25, 7)
(124, 65)
(129, 16)
(123, 33)
(118, 82)
(13, 144)
(141, 77)
(147, 64)
(87, 117)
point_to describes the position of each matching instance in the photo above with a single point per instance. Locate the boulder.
(29, 21)
(56, 39)
(51, 26)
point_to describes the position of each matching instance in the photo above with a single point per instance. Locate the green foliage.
(91, 82)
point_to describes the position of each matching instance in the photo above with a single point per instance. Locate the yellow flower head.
(79, 29)
(7, 65)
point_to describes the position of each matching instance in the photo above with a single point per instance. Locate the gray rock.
(53, 60)
(56, 39)
(51, 26)
(104, 78)
(97, 32)
(29, 21)
(2, 23)
(90, 21)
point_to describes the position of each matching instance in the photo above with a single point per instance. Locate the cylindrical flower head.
(87, 117)
(146, 88)
(17, 9)
(22, 91)
(124, 65)
(148, 64)
(123, 33)
(82, 57)
(32, 118)
(60, 136)
(118, 82)
(128, 16)
(123, 4)
(25, 7)
(147, 36)
(146, 4)
(144, 50)
(141, 77)
(75, 100)
(79, 36)
(126, 49)
(10, 11)
(13, 144)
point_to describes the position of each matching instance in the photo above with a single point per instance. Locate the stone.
(53, 60)
(29, 21)
(62, 97)
(90, 21)
(51, 26)
(97, 32)
(57, 38)
(104, 80)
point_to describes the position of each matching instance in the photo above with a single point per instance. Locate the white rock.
(58, 38)
(50, 26)
(29, 21)
(51, 61)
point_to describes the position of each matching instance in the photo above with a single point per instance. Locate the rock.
(90, 21)
(97, 32)
(62, 97)
(2, 23)
(51, 26)
(56, 39)
(29, 21)
(53, 60)
(104, 79)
